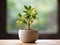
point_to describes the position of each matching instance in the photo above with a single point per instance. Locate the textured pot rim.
(27, 30)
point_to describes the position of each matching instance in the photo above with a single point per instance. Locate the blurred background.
(47, 13)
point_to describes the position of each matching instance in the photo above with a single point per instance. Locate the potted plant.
(28, 16)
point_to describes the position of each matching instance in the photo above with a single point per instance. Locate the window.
(6, 30)
(47, 13)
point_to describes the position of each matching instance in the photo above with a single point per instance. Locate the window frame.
(3, 18)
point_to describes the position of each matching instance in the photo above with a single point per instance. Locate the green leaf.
(33, 16)
(31, 21)
(25, 7)
(19, 14)
(32, 9)
(35, 13)
(24, 22)
(23, 17)
(28, 16)
(18, 22)
(35, 10)
(29, 7)
(25, 11)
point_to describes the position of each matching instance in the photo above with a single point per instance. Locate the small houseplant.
(28, 16)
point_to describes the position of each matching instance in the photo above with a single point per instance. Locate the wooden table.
(38, 42)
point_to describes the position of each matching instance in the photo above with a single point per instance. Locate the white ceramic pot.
(28, 36)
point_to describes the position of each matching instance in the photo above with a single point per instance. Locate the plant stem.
(28, 25)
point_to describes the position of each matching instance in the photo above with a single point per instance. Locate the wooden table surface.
(38, 42)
